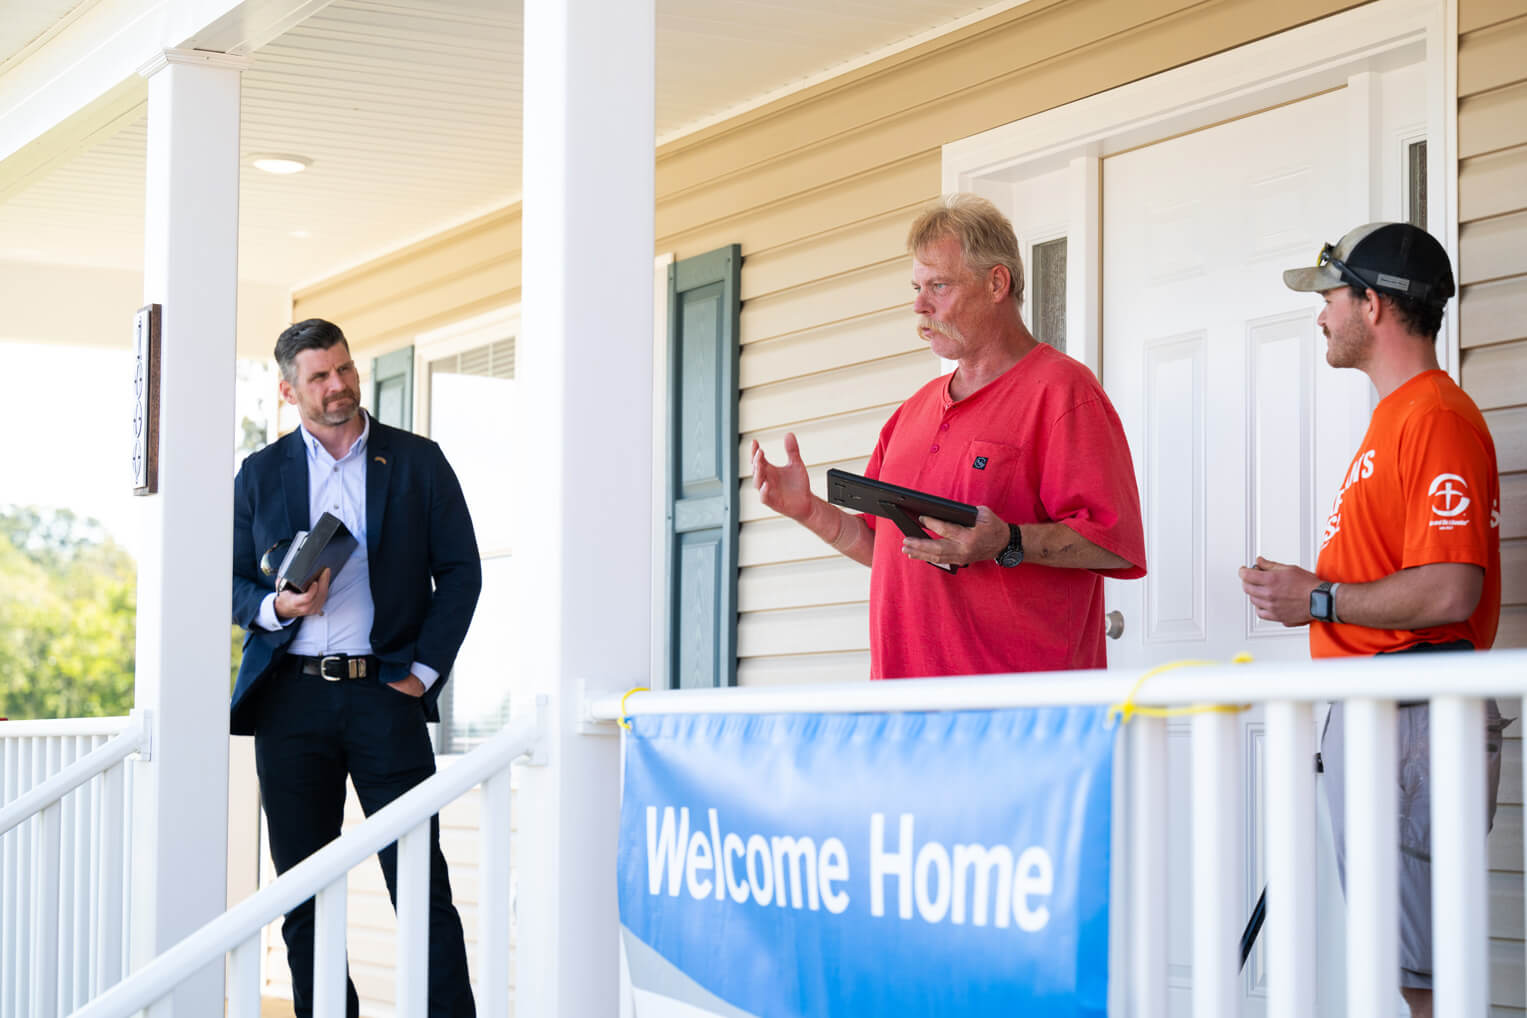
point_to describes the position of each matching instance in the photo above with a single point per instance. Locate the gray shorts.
(1415, 807)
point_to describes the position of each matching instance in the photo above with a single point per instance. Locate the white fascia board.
(85, 80)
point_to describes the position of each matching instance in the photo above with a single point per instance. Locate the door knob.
(1114, 624)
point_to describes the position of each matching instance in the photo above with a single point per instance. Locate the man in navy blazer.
(338, 681)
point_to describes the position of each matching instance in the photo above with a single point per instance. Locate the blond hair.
(986, 236)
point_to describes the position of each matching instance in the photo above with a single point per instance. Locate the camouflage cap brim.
(1313, 280)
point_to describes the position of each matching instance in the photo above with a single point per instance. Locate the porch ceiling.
(410, 111)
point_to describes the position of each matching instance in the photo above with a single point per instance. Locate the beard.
(1347, 346)
(339, 408)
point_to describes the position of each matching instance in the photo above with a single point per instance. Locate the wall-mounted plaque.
(146, 400)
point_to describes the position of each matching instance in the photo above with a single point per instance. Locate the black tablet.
(902, 506)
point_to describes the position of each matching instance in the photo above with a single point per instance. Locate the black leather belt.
(336, 667)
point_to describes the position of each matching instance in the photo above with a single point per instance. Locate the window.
(1047, 298)
(1415, 183)
(471, 416)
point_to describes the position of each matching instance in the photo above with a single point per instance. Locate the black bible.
(327, 546)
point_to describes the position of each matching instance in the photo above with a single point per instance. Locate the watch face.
(1012, 555)
(1320, 605)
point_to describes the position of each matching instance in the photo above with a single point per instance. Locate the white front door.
(1238, 429)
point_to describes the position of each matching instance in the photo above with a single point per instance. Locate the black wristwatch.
(1323, 602)
(1012, 555)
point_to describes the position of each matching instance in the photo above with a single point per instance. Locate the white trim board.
(1283, 68)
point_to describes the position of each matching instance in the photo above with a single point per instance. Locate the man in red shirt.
(1020, 430)
(1410, 557)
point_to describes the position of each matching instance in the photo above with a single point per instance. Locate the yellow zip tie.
(622, 719)
(1128, 709)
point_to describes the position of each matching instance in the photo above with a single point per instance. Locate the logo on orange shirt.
(1449, 500)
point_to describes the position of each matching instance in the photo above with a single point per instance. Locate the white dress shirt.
(344, 627)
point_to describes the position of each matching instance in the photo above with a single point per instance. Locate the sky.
(67, 421)
(67, 418)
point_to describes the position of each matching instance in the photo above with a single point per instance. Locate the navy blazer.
(425, 569)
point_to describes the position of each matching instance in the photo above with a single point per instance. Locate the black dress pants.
(310, 734)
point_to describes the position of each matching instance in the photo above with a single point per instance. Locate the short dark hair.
(308, 334)
(1420, 318)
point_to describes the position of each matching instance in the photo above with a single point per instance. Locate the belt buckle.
(323, 667)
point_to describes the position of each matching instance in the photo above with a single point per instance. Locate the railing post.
(1460, 935)
(413, 920)
(1290, 937)
(1147, 867)
(493, 904)
(1372, 826)
(1218, 887)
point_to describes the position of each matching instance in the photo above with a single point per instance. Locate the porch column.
(190, 266)
(585, 368)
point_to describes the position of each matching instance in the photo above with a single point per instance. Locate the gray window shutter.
(703, 309)
(392, 388)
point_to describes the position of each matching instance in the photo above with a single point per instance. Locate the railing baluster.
(9, 872)
(63, 973)
(1218, 887)
(97, 854)
(244, 981)
(1290, 937)
(1460, 938)
(413, 921)
(84, 838)
(112, 944)
(1372, 825)
(493, 915)
(329, 951)
(31, 774)
(45, 928)
(1148, 867)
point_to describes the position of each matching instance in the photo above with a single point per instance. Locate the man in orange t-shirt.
(1410, 557)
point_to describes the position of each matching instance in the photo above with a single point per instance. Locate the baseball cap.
(1393, 258)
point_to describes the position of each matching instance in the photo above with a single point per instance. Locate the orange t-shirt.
(1424, 488)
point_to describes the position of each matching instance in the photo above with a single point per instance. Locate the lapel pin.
(381, 459)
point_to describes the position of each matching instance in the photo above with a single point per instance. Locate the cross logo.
(1447, 495)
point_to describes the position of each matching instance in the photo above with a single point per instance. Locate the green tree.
(68, 616)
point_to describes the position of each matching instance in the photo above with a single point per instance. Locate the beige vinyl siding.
(451, 276)
(1492, 273)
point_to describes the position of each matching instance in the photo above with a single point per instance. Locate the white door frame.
(1280, 69)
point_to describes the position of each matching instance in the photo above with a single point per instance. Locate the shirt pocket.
(990, 474)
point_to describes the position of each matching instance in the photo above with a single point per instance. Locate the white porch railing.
(1454, 684)
(64, 864)
(323, 874)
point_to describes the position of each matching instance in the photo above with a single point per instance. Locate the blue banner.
(868, 864)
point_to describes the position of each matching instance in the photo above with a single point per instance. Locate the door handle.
(1113, 624)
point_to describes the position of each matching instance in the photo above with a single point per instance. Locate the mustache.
(929, 322)
(351, 394)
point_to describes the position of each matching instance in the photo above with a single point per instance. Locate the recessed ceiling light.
(280, 163)
(301, 234)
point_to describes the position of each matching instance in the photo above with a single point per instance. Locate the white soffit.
(410, 111)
